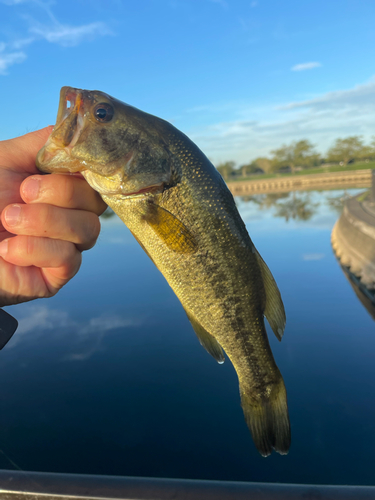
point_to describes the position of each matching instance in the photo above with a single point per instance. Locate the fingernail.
(31, 188)
(12, 215)
(4, 248)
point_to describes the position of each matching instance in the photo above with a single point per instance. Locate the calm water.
(109, 378)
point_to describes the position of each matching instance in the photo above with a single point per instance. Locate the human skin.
(46, 222)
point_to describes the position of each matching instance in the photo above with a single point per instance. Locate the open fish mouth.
(70, 121)
(70, 118)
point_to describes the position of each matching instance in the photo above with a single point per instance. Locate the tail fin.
(268, 420)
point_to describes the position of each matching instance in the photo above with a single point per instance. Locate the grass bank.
(315, 170)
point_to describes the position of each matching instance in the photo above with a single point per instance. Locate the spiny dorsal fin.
(209, 342)
(274, 311)
(171, 230)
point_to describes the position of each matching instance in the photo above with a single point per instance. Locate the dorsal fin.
(274, 311)
(209, 342)
(171, 230)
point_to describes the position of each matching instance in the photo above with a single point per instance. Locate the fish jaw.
(108, 155)
(114, 186)
(56, 155)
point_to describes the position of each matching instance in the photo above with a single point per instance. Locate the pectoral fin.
(171, 230)
(211, 345)
(274, 311)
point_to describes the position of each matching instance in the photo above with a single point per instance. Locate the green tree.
(247, 170)
(226, 169)
(371, 148)
(264, 164)
(260, 165)
(346, 150)
(296, 154)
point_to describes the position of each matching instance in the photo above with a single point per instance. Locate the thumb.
(19, 153)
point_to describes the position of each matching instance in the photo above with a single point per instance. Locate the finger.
(41, 260)
(62, 190)
(20, 152)
(27, 251)
(76, 226)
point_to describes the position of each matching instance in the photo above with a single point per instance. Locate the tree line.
(301, 155)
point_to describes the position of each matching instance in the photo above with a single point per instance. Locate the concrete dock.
(283, 184)
(353, 242)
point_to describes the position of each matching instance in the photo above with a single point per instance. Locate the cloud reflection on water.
(84, 338)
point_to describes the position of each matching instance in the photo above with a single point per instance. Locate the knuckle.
(69, 253)
(29, 245)
(72, 262)
(86, 234)
(46, 218)
(66, 189)
(92, 230)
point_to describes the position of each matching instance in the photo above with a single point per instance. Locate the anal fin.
(274, 311)
(207, 340)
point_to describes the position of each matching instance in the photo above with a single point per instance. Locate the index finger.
(62, 190)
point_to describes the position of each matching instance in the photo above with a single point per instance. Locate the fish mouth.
(70, 118)
(70, 122)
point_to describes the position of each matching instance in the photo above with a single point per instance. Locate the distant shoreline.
(360, 178)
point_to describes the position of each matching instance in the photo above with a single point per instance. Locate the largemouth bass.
(182, 214)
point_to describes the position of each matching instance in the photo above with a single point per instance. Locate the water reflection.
(353, 242)
(297, 205)
(364, 294)
(108, 377)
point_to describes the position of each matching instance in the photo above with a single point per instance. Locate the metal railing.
(16, 485)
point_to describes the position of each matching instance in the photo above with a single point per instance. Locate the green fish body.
(181, 212)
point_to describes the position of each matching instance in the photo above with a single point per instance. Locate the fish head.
(119, 149)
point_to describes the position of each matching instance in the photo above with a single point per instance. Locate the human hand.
(46, 222)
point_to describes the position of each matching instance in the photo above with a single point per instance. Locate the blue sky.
(240, 77)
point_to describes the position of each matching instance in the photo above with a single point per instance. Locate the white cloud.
(321, 120)
(304, 66)
(52, 32)
(361, 97)
(21, 42)
(313, 256)
(69, 36)
(9, 59)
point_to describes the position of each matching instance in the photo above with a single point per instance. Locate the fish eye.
(103, 112)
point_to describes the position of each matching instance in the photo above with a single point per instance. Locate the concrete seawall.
(353, 242)
(329, 180)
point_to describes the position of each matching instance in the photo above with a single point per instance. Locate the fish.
(179, 209)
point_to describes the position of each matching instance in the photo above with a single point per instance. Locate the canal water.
(108, 377)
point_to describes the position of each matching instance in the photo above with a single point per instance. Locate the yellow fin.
(274, 311)
(172, 231)
(209, 342)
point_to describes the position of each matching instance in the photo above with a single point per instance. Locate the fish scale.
(181, 212)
